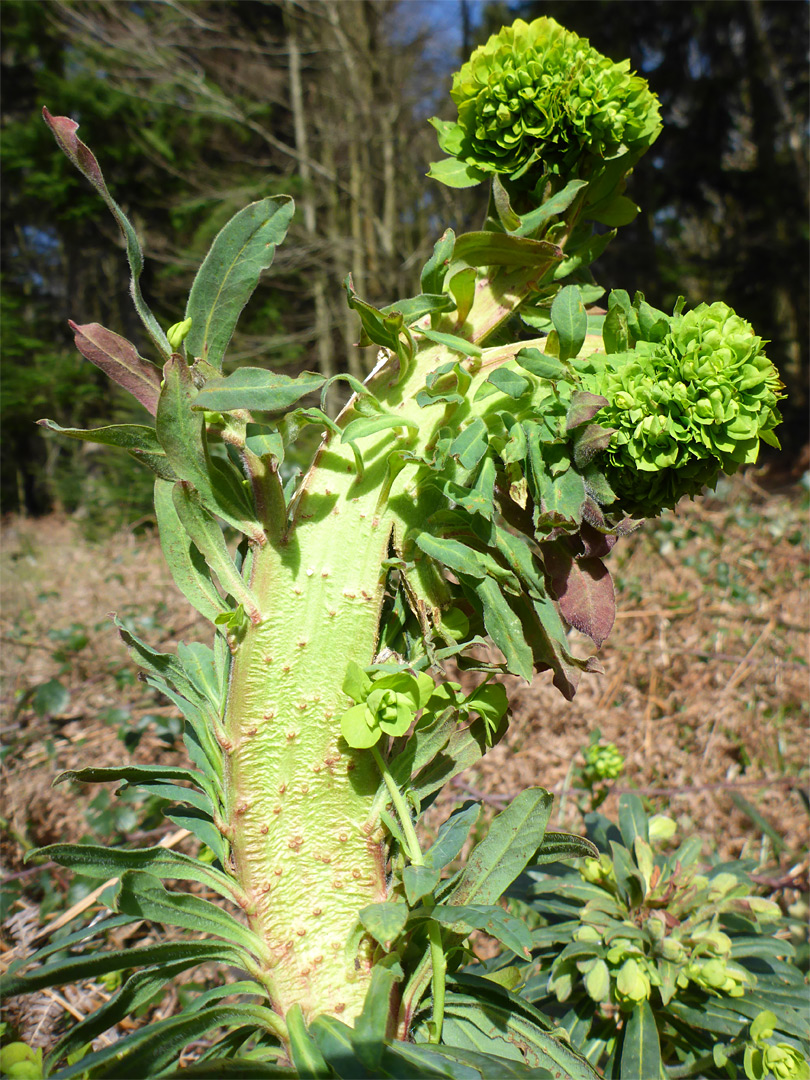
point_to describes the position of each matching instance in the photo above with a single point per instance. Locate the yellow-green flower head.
(685, 408)
(537, 91)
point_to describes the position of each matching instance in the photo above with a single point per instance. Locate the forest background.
(195, 109)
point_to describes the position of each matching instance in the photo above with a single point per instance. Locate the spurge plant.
(465, 497)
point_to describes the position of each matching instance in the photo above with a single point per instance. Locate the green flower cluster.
(685, 407)
(602, 762)
(779, 1060)
(537, 91)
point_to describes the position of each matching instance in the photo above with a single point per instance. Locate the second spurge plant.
(466, 495)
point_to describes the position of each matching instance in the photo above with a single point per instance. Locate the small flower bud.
(178, 333)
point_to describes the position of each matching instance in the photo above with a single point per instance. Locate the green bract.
(388, 705)
(537, 91)
(685, 407)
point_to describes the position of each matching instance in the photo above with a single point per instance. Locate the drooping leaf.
(364, 426)
(207, 537)
(584, 591)
(502, 249)
(541, 364)
(136, 774)
(570, 321)
(557, 846)
(452, 341)
(186, 565)
(149, 1050)
(159, 862)
(119, 359)
(557, 204)
(513, 838)
(414, 308)
(504, 627)
(509, 382)
(470, 445)
(335, 1042)
(257, 388)
(126, 436)
(230, 273)
(142, 894)
(91, 965)
(435, 269)
(493, 920)
(377, 328)
(181, 433)
(64, 130)
(462, 289)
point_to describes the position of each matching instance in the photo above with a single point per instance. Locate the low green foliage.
(643, 938)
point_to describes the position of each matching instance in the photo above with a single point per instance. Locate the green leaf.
(471, 444)
(149, 1050)
(414, 308)
(200, 824)
(91, 965)
(64, 130)
(335, 1041)
(385, 921)
(257, 388)
(503, 249)
(504, 627)
(452, 835)
(138, 989)
(451, 341)
(186, 565)
(181, 433)
(371, 1025)
(157, 862)
(557, 204)
(377, 327)
(230, 273)
(462, 289)
(435, 269)
(306, 1057)
(467, 745)
(557, 846)
(613, 211)
(420, 881)
(492, 919)
(119, 360)
(570, 321)
(206, 535)
(136, 774)
(509, 382)
(50, 698)
(541, 365)
(641, 1050)
(510, 845)
(454, 173)
(142, 894)
(126, 436)
(364, 426)
(633, 820)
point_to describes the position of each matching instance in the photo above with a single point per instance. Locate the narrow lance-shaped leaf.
(230, 273)
(504, 627)
(641, 1049)
(207, 536)
(64, 130)
(125, 436)
(181, 433)
(119, 359)
(513, 838)
(186, 564)
(257, 389)
(570, 321)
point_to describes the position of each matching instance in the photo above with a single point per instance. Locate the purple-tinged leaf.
(64, 130)
(119, 359)
(590, 441)
(584, 591)
(596, 544)
(583, 407)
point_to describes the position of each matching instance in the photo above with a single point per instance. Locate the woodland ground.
(705, 693)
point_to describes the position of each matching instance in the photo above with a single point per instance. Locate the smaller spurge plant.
(651, 962)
